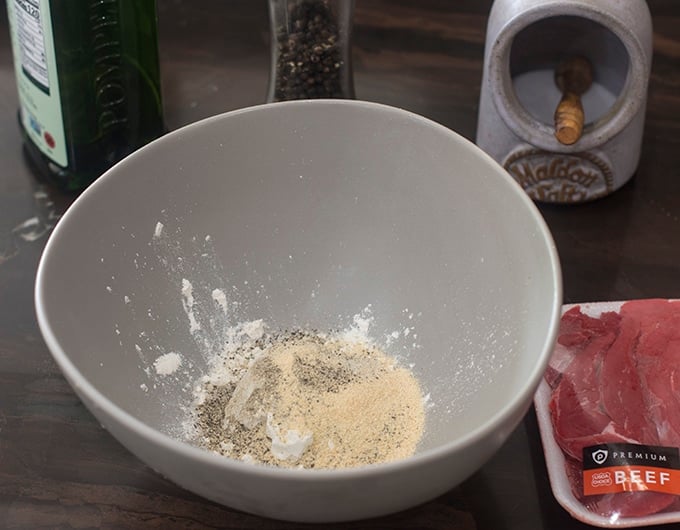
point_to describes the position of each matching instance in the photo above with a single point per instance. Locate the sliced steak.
(577, 416)
(658, 363)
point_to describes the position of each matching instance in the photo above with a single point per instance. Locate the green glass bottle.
(89, 83)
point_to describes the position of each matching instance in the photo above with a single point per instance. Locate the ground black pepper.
(309, 55)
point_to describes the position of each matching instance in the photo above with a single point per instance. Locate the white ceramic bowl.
(305, 213)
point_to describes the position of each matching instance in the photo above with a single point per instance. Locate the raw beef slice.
(658, 362)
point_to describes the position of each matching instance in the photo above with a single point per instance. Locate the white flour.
(221, 300)
(188, 303)
(168, 364)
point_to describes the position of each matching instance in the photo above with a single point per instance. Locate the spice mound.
(302, 399)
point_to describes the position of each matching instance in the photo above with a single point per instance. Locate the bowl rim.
(81, 384)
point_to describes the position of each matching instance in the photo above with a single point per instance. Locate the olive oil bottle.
(89, 83)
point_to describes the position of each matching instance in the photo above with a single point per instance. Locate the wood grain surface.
(60, 469)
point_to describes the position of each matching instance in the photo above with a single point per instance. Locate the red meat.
(658, 363)
(575, 405)
(576, 332)
(630, 503)
(617, 379)
(621, 394)
(577, 329)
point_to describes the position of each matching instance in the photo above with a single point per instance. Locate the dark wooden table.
(60, 469)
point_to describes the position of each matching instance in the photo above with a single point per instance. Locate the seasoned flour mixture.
(303, 399)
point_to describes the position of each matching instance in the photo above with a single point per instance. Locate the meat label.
(619, 467)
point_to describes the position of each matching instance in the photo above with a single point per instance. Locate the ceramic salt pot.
(564, 93)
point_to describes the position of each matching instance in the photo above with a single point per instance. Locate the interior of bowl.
(305, 214)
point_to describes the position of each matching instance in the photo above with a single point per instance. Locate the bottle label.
(35, 68)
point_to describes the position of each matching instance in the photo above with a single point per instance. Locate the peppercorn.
(309, 59)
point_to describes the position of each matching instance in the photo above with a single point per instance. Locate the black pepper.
(310, 54)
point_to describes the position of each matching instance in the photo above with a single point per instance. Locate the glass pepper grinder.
(310, 49)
